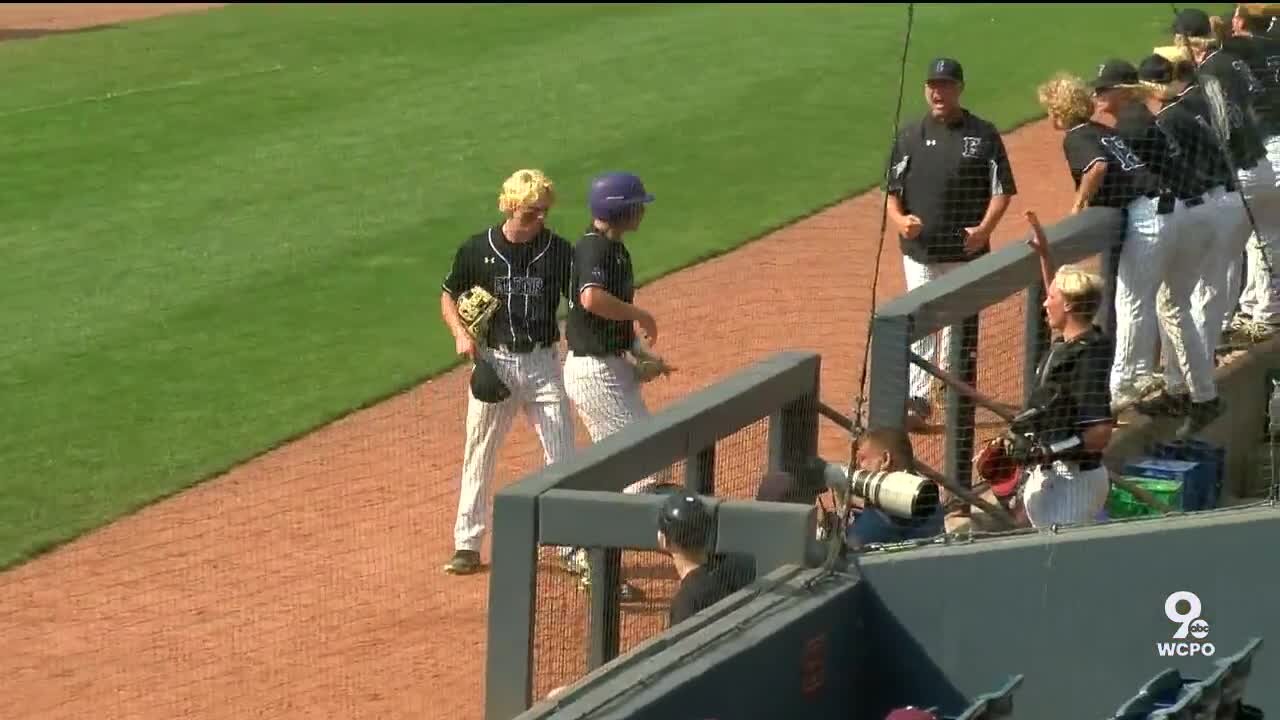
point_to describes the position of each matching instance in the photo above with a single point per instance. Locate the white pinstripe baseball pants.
(1260, 298)
(1149, 243)
(537, 387)
(1188, 359)
(1213, 299)
(607, 396)
(1062, 494)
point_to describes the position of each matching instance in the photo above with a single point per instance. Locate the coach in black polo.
(949, 184)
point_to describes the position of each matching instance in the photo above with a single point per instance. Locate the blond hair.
(1081, 289)
(1066, 99)
(525, 188)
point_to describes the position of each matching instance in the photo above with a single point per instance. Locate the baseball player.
(1065, 480)
(948, 185)
(525, 266)
(1246, 38)
(1225, 85)
(1108, 173)
(601, 328)
(1171, 267)
(1209, 217)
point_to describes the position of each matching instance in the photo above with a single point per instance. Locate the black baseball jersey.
(1127, 178)
(946, 174)
(1191, 135)
(698, 590)
(528, 278)
(1137, 125)
(603, 263)
(1232, 75)
(1261, 55)
(1073, 387)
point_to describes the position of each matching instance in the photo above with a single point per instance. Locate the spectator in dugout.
(684, 532)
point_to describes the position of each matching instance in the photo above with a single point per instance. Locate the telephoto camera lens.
(900, 494)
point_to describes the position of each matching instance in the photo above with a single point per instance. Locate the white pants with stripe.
(1149, 245)
(1188, 358)
(1213, 299)
(1062, 494)
(607, 396)
(537, 388)
(934, 348)
(1260, 298)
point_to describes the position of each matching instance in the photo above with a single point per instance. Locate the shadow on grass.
(8, 34)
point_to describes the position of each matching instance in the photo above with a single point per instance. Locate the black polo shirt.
(1245, 140)
(946, 174)
(1127, 175)
(1073, 386)
(1205, 165)
(603, 263)
(528, 278)
(1261, 55)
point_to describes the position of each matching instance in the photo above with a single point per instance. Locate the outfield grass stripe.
(117, 94)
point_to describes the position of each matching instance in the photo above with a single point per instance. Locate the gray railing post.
(793, 432)
(513, 581)
(961, 415)
(1035, 337)
(606, 606)
(700, 471)
(890, 348)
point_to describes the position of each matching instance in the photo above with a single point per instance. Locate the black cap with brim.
(1192, 22)
(946, 69)
(1155, 68)
(1115, 73)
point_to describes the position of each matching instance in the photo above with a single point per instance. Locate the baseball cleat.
(463, 562)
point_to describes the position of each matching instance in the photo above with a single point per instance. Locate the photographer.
(1060, 438)
(888, 450)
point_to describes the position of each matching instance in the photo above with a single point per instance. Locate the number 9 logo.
(1182, 619)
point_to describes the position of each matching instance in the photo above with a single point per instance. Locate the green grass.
(220, 231)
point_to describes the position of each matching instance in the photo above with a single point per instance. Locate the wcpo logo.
(1189, 623)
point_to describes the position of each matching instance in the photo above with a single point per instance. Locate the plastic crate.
(1122, 504)
(1197, 478)
(1214, 456)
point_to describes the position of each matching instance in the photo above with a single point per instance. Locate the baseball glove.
(995, 464)
(476, 306)
(648, 364)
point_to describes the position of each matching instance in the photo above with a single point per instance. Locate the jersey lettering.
(529, 286)
(1120, 150)
(1273, 67)
(972, 147)
(1242, 67)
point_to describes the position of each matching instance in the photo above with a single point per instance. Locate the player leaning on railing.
(1058, 440)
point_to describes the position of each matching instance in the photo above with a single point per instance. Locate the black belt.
(1193, 201)
(1165, 203)
(523, 346)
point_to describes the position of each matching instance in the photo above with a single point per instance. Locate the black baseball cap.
(1192, 22)
(946, 69)
(1115, 72)
(1156, 68)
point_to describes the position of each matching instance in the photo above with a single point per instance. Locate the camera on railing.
(899, 494)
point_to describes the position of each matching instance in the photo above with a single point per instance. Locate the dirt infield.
(308, 583)
(25, 21)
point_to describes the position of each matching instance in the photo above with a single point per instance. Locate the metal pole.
(606, 606)
(961, 414)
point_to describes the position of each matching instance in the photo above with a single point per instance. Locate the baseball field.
(222, 238)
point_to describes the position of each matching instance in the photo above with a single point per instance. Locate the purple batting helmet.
(613, 193)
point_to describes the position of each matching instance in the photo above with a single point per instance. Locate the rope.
(836, 539)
